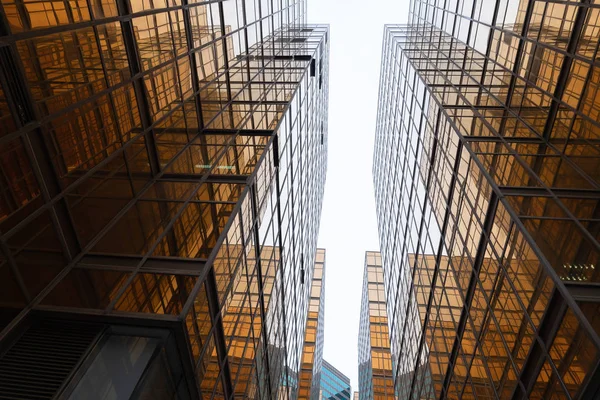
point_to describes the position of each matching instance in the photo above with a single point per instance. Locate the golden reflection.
(375, 361)
(312, 352)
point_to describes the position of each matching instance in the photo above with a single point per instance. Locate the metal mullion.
(108, 227)
(565, 362)
(223, 40)
(89, 84)
(112, 106)
(37, 152)
(535, 359)
(569, 355)
(559, 286)
(280, 242)
(527, 168)
(238, 179)
(488, 224)
(491, 301)
(229, 103)
(226, 228)
(444, 227)
(524, 38)
(422, 223)
(569, 139)
(29, 34)
(292, 214)
(255, 102)
(251, 311)
(241, 28)
(263, 313)
(218, 334)
(45, 119)
(189, 35)
(578, 26)
(135, 66)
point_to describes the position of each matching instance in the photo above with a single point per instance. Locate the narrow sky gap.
(348, 223)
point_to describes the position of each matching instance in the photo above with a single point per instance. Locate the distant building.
(312, 353)
(375, 380)
(334, 384)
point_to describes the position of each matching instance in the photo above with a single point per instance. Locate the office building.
(334, 384)
(375, 380)
(163, 166)
(356, 396)
(312, 354)
(304, 384)
(487, 177)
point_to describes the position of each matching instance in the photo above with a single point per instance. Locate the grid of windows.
(334, 384)
(165, 160)
(375, 379)
(312, 355)
(486, 173)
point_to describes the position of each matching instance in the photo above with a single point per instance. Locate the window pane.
(117, 368)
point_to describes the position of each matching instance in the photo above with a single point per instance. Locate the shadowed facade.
(163, 164)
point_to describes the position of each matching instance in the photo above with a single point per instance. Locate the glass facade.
(312, 355)
(334, 384)
(487, 177)
(163, 164)
(375, 380)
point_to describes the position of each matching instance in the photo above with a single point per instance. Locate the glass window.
(116, 369)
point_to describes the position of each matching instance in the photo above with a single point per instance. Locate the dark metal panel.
(40, 362)
(214, 178)
(584, 292)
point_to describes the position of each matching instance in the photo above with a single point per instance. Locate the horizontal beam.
(153, 264)
(213, 178)
(184, 131)
(585, 292)
(541, 192)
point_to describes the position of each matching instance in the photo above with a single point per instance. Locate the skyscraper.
(375, 380)
(163, 166)
(334, 384)
(486, 172)
(312, 355)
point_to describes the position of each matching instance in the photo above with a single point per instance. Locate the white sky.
(348, 222)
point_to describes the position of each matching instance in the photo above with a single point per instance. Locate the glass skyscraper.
(334, 384)
(487, 178)
(163, 165)
(312, 354)
(375, 379)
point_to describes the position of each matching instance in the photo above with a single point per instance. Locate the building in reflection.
(163, 165)
(375, 380)
(489, 221)
(334, 384)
